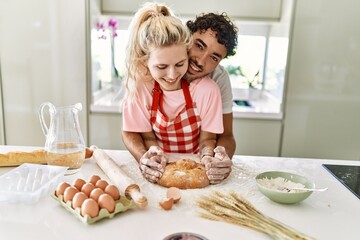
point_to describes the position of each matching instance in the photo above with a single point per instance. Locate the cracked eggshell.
(167, 203)
(174, 193)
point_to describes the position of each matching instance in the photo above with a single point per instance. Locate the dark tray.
(348, 175)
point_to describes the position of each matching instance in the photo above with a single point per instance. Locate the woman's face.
(167, 65)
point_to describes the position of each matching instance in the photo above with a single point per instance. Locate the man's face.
(204, 55)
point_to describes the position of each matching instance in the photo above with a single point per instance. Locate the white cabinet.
(240, 9)
(322, 114)
(258, 137)
(105, 130)
(43, 58)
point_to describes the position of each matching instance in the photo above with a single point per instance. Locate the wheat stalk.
(234, 209)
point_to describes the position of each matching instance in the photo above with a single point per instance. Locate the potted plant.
(252, 81)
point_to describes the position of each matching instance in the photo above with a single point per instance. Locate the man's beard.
(190, 76)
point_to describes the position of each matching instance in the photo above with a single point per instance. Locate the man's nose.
(201, 60)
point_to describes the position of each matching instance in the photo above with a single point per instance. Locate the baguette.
(17, 158)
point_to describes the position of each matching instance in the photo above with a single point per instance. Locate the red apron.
(180, 135)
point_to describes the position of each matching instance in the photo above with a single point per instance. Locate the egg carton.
(121, 205)
(29, 182)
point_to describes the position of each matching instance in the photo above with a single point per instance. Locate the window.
(259, 64)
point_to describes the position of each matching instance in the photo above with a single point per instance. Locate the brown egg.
(88, 153)
(107, 202)
(78, 200)
(78, 183)
(61, 188)
(87, 188)
(101, 184)
(69, 193)
(90, 207)
(113, 191)
(95, 194)
(174, 193)
(167, 203)
(94, 179)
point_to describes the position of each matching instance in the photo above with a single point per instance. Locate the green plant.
(252, 81)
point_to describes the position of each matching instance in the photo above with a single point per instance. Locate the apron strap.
(185, 88)
(158, 97)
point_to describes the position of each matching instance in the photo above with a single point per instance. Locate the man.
(215, 38)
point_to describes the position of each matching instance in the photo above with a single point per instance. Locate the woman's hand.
(152, 164)
(218, 167)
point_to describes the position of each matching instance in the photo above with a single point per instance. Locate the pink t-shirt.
(204, 92)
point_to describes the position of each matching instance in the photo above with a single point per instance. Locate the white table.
(334, 214)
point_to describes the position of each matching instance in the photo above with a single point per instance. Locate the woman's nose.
(172, 73)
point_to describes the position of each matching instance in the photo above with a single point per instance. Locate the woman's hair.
(225, 29)
(153, 26)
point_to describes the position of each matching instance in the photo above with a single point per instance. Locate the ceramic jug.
(64, 144)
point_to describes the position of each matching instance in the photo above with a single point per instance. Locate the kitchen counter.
(334, 214)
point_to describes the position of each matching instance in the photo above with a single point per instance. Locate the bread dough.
(184, 173)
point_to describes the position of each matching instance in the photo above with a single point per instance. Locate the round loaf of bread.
(184, 174)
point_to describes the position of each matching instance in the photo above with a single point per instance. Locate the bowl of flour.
(284, 187)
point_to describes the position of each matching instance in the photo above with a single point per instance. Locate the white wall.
(237, 9)
(43, 58)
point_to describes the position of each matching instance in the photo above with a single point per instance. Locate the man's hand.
(152, 164)
(218, 167)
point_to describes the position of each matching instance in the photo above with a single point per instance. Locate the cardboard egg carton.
(121, 205)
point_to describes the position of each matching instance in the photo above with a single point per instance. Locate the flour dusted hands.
(218, 167)
(152, 164)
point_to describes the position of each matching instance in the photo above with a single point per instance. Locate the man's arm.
(226, 139)
(135, 144)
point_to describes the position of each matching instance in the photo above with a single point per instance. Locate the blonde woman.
(170, 114)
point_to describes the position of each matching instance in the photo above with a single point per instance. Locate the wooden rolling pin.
(119, 177)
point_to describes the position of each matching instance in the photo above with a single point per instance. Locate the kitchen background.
(309, 97)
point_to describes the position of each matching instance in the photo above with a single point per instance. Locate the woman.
(170, 114)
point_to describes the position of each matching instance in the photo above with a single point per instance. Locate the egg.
(167, 204)
(61, 188)
(174, 193)
(94, 179)
(107, 202)
(69, 193)
(113, 191)
(101, 184)
(89, 207)
(95, 194)
(78, 200)
(78, 183)
(87, 188)
(88, 153)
